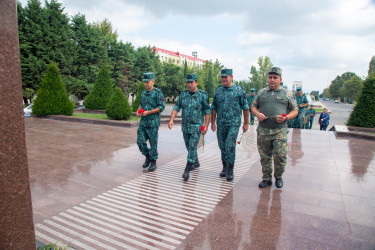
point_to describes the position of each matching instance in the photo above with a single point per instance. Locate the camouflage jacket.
(250, 99)
(194, 108)
(149, 101)
(301, 100)
(228, 103)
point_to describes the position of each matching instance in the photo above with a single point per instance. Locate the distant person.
(311, 116)
(229, 100)
(306, 117)
(250, 99)
(151, 105)
(195, 114)
(324, 119)
(270, 106)
(302, 103)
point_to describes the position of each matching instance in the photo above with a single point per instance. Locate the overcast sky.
(312, 41)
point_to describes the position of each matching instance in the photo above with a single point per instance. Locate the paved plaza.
(89, 191)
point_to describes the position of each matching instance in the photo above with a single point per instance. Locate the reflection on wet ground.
(88, 179)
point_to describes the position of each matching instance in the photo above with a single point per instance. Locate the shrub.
(363, 114)
(118, 106)
(137, 100)
(52, 97)
(102, 91)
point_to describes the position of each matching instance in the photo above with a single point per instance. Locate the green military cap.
(252, 90)
(226, 72)
(275, 70)
(191, 77)
(148, 76)
(299, 89)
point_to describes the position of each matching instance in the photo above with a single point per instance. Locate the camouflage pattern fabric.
(227, 137)
(191, 143)
(300, 100)
(151, 134)
(149, 125)
(311, 118)
(229, 102)
(272, 143)
(306, 119)
(149, 101)
(250, 100)
(194, 108)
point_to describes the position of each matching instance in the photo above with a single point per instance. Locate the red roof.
(177, 54)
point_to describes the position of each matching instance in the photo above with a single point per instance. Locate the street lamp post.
(194, 54)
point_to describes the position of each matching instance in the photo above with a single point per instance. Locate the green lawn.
(100, 116)
(318, 109)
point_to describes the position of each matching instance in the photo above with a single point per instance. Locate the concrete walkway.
(89, 191)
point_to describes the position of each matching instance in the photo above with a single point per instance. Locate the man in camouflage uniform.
(272, 133)
(250, 99)
(229, 100)
(195, 107)
(152, 102)
(306, 117)
(312, 114)
(302, 102)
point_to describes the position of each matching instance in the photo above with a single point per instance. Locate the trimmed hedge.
(118, 107)
(363, 114)
(102, 91)
(52, 97)
(137, 100)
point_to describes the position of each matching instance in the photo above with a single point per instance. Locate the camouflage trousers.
(298, 121)
(191, 143)
(150, 134)
(227, 137)
(272, 143)
(310, 123)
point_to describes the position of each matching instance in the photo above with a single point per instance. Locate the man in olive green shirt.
(270, 107)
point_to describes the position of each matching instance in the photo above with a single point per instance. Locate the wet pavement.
(89, 191)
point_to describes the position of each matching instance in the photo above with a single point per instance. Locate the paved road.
(339, 112)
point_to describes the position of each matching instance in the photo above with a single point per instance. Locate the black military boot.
(147, 162)
(152, 166)
(223, 172)
(230, 175)
(265, 183)
(185, 175)
(195, 165)
(279, 183)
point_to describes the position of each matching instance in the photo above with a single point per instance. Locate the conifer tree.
(137, 100)
(363, 114)
(118, 107)
(102, 91)
(52, 98)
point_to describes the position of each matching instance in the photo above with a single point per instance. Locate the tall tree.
(174, 80)
(352, 88)
(259, 76)
(209, 84)
(185, 69)
(338, 82)
(90, 53)
(371, 67)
